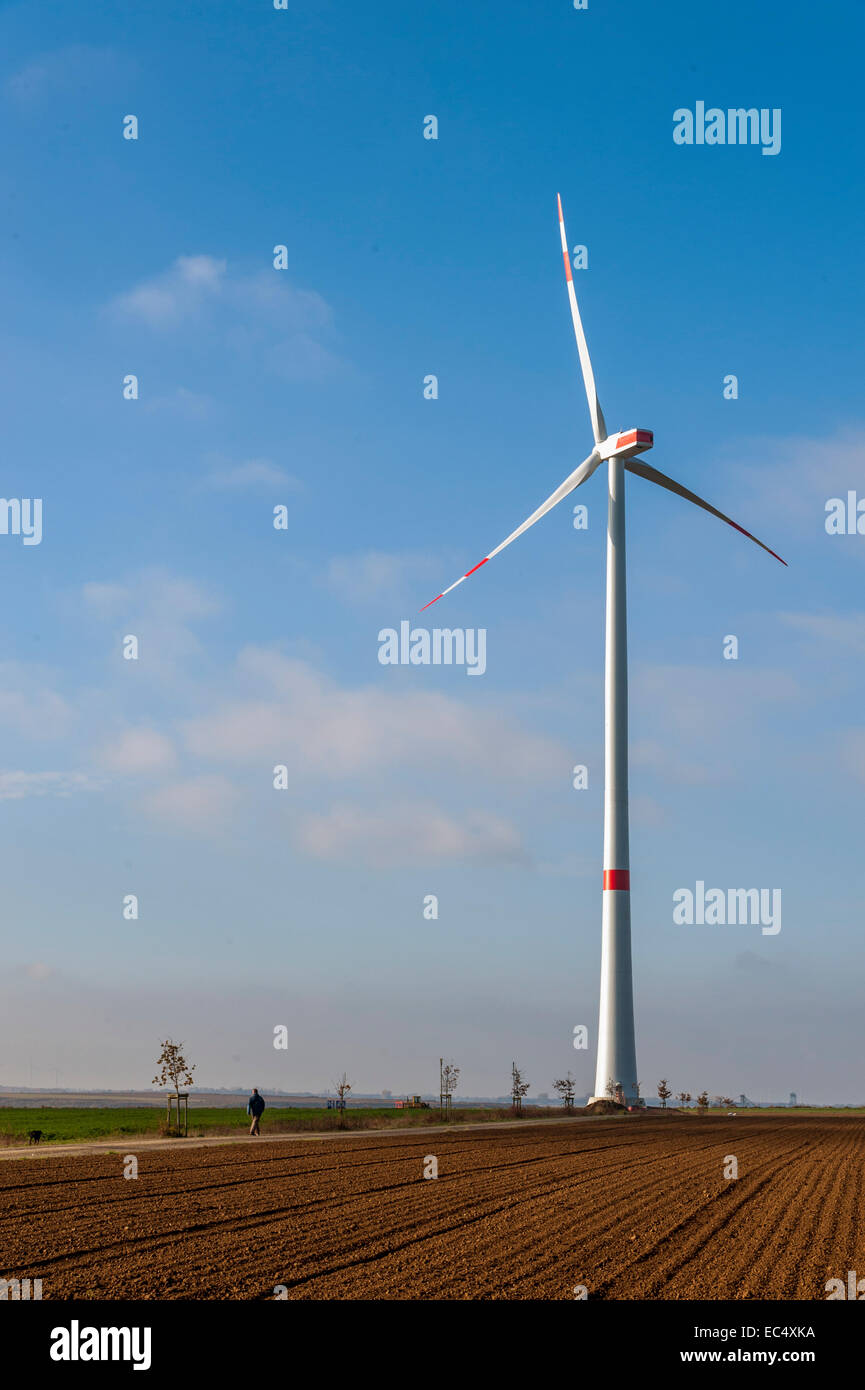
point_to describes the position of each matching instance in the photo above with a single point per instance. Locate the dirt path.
(131, 1143)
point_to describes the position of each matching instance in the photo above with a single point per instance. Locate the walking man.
(255, 1108)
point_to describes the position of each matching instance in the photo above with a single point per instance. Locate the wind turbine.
(617, 1058)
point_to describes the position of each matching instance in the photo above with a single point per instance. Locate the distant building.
(793, 1100)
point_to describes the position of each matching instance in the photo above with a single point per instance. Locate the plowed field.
(630, 1208)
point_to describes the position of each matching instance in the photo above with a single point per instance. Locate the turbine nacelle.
(625, 444)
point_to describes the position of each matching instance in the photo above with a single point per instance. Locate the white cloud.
(106, 599)
(260, 317)
(15, 786)
(138, 750)
(160, 594)
(794, 477)
(302, 718)
(31, 709)
(188, 405)
(174, 295)
(253, 473)
(197, 803)
(842, 629)
(376, 575)
(159, 609)
(409, 833)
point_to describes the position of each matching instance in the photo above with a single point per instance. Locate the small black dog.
(34, 1135)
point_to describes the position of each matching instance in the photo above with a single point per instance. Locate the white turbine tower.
(617, 1059)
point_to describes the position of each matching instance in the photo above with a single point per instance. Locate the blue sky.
(304, 387)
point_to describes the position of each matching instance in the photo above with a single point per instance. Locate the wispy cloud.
(201, 804)
(15, 786)
(793, 477)
(259, 317)
(841, 629)
(376, 576)
(412, 833)
(28, 704)
(138, 750)
(253, 473)
(173, 296)
(160, 608)
(301, 716)
(157, 592)
(181, 402)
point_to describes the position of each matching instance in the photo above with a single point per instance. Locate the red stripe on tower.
(617, 880)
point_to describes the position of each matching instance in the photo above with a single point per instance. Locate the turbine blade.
(644, 470)
(598, 426)
(579, 475)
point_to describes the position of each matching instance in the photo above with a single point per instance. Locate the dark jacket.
(255, 1105)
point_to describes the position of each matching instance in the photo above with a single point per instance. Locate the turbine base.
(634, 1103)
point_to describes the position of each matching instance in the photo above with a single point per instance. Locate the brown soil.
(630, 1210)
